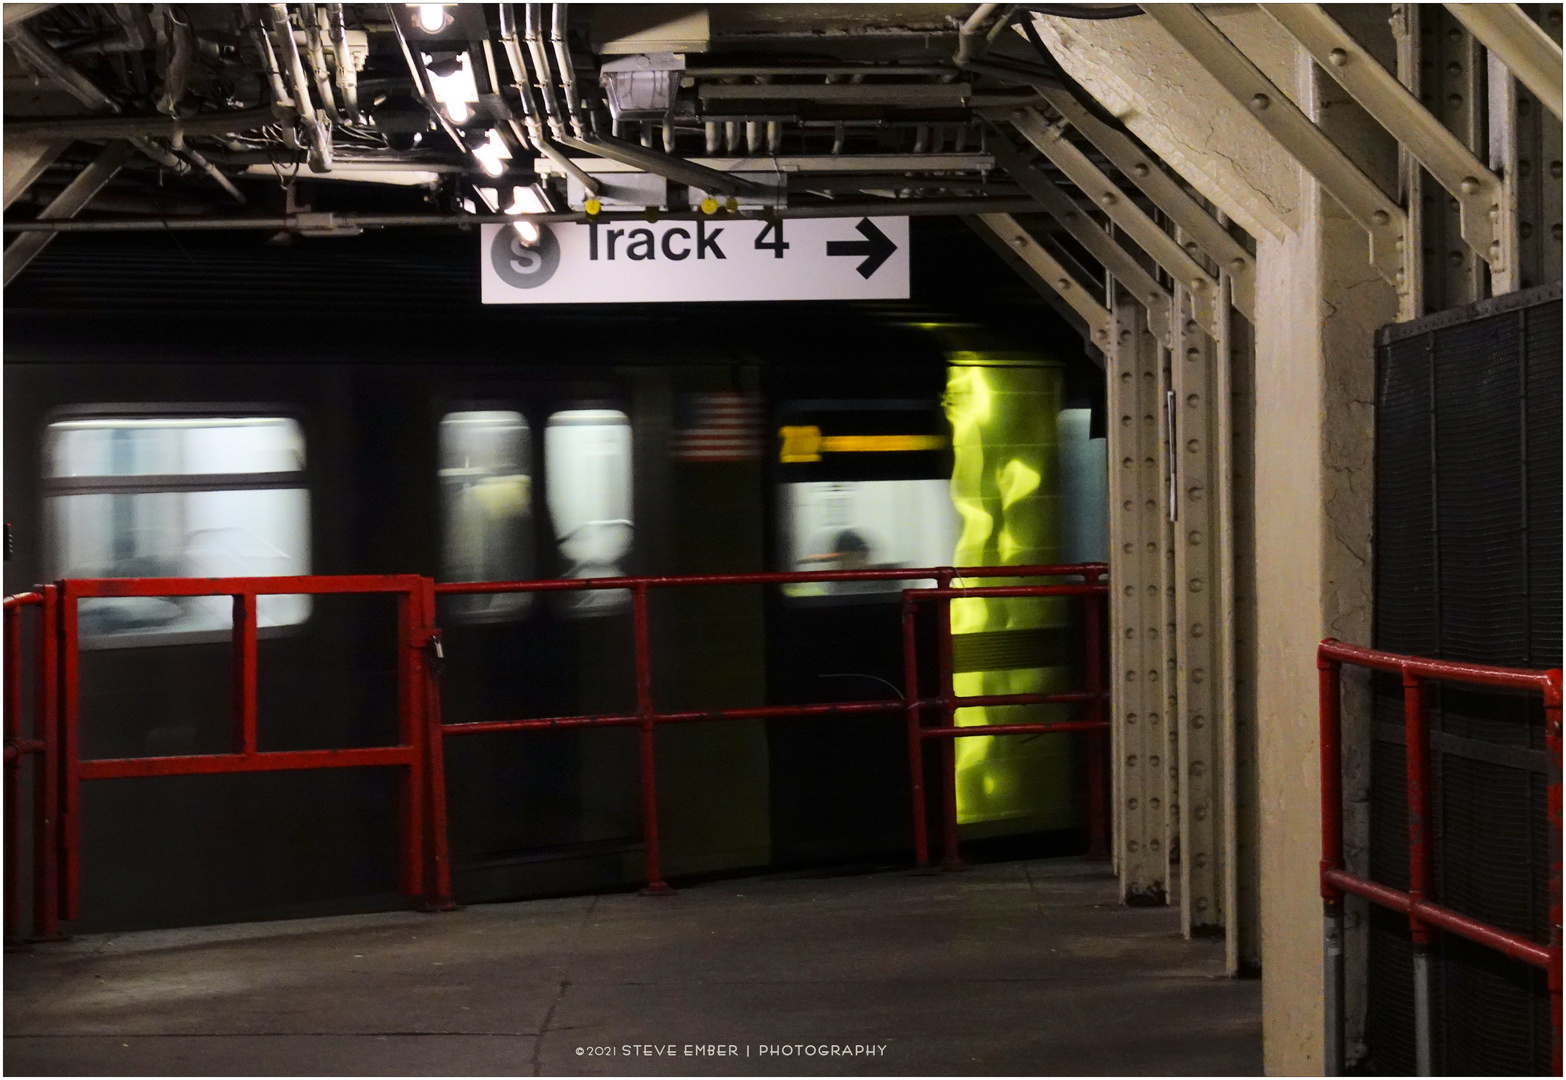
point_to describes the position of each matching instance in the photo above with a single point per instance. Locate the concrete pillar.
(1314, 428)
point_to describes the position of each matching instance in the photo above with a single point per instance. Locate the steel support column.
(1139, 544)
(1242, 945)
(1201, 691)
(1525, 149)
(1410, 176)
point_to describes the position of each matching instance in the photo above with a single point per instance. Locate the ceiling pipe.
(323, 79)
(524, 85)
(567, 69)
(316, 130)
(347, 77)
(176, 73)
(533, 35)
(217, 174)
(971, 34)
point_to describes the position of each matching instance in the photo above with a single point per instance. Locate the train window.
(866, 525)
(587, 461)
(486, 495)
(863, 485)
(177, 496)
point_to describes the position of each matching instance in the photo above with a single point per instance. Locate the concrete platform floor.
(1007, 968)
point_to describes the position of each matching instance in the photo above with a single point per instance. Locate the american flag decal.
(720, 425)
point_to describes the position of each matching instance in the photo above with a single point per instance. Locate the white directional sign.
(709, 259)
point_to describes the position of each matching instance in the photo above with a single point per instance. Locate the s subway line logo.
(521, 266)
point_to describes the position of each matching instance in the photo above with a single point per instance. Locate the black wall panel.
(1468, 567)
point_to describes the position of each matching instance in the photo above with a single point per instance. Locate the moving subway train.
(553, 450)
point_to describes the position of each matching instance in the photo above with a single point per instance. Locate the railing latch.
(434, 655)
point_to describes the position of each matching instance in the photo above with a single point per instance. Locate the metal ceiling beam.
(1455, 167)
(680, 170)
(329, 221)
(77, 194)
(951, 95)
(1359, 195)
(1114, 258)
(166, 127)
(1166, 193)
(1143, 230)
(1519, 43)
(812, 163)
(1046, 274)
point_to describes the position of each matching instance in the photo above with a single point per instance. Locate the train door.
(859, 484)
(538, 482)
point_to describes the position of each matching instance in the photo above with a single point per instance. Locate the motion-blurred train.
(556, 446)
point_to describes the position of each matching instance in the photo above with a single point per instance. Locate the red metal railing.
(1092, 698)
(425, 869)
(422, 849)
(1417, 903)
(41, 746)
(646, 718)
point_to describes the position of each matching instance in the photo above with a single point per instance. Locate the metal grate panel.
(1468, 567)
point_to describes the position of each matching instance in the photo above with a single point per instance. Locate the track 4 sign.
(704, 260)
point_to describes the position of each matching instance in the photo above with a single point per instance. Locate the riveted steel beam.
(1501, 99)
(1527, 165)
(1047, 275)
(1201, 690)
(1406, 39)
(1141, 168)
(1114, 258)
(1143, 230)
(1139, 603)
(1456, 168)
(1359, 195)
(1521, 44)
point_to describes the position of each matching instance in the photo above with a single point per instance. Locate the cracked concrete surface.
(1029, 967)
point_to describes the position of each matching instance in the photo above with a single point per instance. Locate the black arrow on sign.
(875, 246)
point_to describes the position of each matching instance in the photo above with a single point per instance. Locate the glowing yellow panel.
(1004, 485)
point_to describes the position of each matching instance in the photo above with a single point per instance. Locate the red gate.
(40, 745)
(420, 861)
(647, 718)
